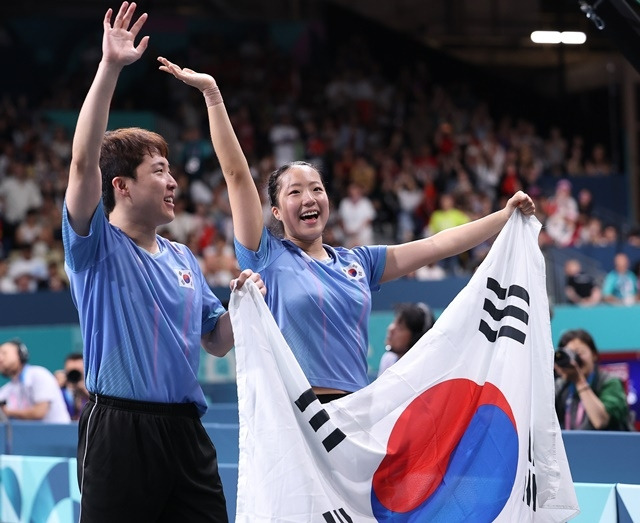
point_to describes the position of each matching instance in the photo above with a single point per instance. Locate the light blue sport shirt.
(141, 314)
(322, 308)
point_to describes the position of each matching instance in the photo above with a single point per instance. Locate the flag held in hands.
(462, 428)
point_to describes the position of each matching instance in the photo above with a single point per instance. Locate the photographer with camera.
(587, 397)
(73, 389)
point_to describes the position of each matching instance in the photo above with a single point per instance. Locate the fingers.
(169, 67)
(527, 206)
(128, 15)
(142, 46)
(523, 201)
(245, 275)
(239, 281)
(124, 17)
(257, 279)
(135, 29)
(119, 21)
(107, 18)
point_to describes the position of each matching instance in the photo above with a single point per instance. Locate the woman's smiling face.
(303, 205)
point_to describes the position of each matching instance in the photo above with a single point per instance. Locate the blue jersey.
(141, 315)
(321, 307)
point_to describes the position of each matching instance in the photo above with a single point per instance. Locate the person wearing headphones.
(32, 392)
(411, 321)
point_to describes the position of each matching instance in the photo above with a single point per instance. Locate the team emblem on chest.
(185, 278)
(354, 271)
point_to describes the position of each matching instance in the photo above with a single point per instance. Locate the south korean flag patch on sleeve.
(185, 278)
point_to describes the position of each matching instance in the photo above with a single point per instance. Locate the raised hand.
(118, 41)
(190, 77)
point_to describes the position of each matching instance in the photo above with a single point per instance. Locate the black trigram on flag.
(530, 489)
(319, 419)
(498, 313)
(337, 516)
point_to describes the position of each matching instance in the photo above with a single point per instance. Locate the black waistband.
(171, 409)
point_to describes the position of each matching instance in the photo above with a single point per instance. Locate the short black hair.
(579, 334)
(417, 317)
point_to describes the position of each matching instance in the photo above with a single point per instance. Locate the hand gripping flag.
(462, 428)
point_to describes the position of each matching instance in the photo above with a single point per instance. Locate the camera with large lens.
(565, 357)
(74, 377)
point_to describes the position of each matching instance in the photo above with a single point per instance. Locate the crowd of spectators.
(403, 157)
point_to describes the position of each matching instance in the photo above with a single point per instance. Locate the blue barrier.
(221, 413)
(603, 457)
(594, 457)
(34, 438)
(229, 476)
(42, 489)
(225, 438)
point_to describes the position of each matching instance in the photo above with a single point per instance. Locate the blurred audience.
(620, 286)
(409, 143)
(356, 217)
(562, 215)
(580, 288)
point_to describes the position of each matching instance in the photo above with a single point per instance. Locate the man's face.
(10, 364)
(152, 193)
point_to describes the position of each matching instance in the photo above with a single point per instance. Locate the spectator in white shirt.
(33, 392)
(356, 215)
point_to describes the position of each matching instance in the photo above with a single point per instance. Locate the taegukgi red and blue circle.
(451, 456)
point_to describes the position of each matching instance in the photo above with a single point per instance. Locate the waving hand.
(118, 41)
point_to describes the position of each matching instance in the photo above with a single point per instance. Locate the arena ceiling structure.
(498, 31)
(492, 34)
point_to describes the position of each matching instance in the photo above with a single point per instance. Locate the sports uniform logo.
(354, 271)
(185, 278)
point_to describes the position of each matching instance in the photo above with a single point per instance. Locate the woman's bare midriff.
(324, 390)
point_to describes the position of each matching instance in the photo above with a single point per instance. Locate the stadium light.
(573, 37)
(557, 37)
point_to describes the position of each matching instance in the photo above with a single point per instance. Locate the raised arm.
(118, 49)
(408, 257)
(246, 208)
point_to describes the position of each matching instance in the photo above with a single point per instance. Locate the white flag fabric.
(461, 428)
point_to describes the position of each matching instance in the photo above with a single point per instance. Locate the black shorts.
(151, 462)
